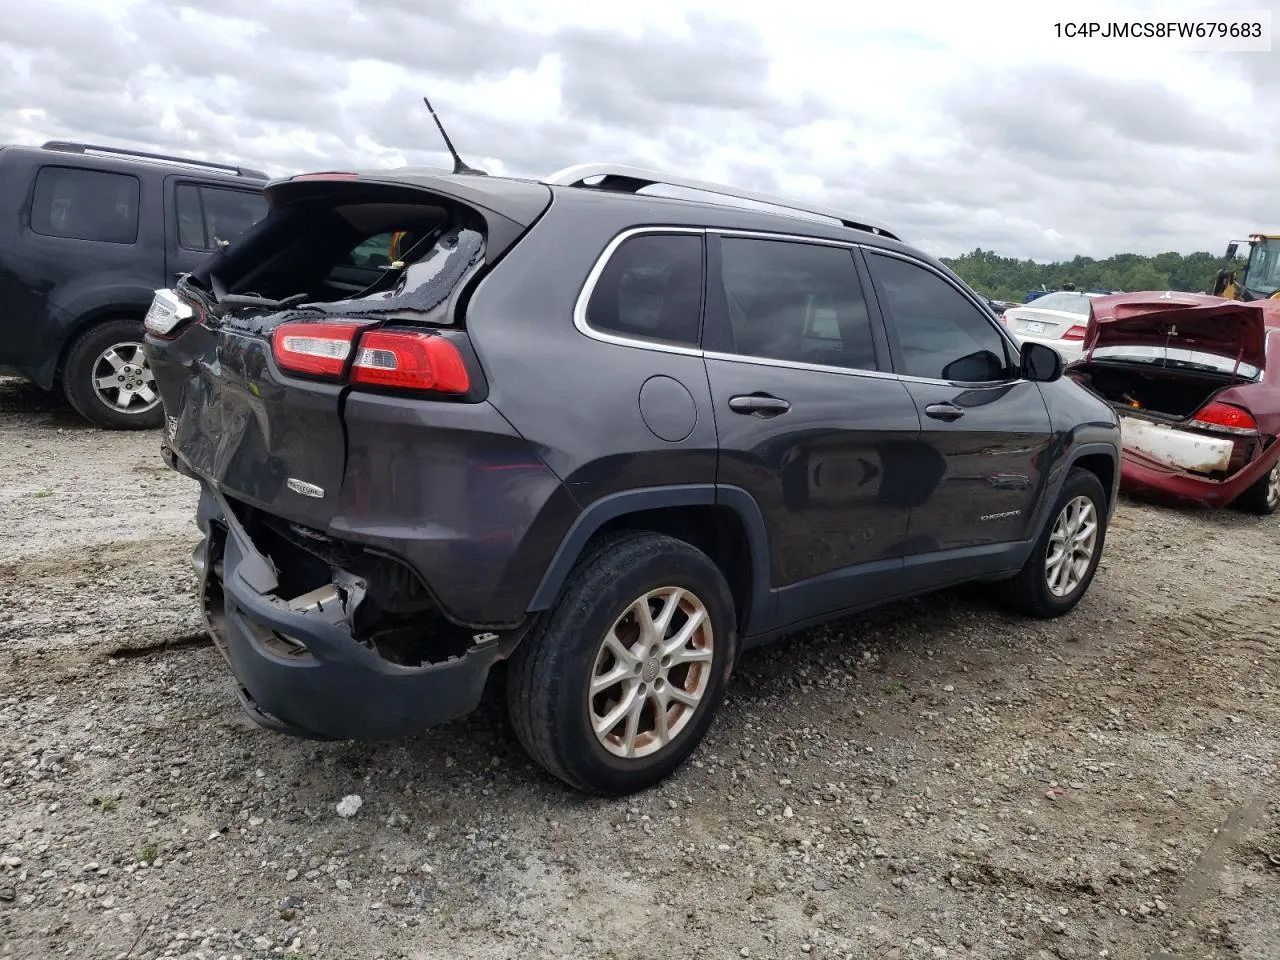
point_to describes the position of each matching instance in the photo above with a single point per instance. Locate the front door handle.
(759, 405)
(944, 411)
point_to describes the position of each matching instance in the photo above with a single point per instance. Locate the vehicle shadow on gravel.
(829, 677)
(1214, 516)
(26, 399)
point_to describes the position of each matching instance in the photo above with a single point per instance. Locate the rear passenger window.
(209, 217)
(85, 205)
(799, 302)
(942, 334)
(651, 288)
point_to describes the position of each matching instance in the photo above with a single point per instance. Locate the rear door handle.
(944, 411)
(759, 405)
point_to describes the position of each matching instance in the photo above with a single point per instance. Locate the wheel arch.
(1099, 458)
(1102, 461)
(723, 522)
(82, 325)
(1102, 464)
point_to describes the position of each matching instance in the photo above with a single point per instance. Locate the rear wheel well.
(83, 326)
(716, 531)
(1102, 467)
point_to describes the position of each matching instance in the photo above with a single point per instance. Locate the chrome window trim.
(588, 288)
(784, 237)
(658, 346)
(797, 365)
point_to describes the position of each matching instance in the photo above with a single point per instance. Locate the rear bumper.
(301, 671)
(1142, 475)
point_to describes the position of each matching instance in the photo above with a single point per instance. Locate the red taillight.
(1224, 416)
(409, 360)
(1076, 333)
(320, 349)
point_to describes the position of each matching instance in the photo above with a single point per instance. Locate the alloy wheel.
(1273, 487)
(123, 380)
(1071, 546)
(651, 671)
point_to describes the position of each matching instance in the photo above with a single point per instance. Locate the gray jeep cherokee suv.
(444, 421)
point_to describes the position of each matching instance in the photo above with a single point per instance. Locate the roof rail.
(624, 179)
(67, 146)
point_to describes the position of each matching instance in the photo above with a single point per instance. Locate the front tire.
(1263, 498)
(1062, 564)
(616, 688)
(107, 380)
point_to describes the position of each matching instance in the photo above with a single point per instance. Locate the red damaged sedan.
(1199, 404)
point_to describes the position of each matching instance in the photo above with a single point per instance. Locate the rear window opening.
(387, 252)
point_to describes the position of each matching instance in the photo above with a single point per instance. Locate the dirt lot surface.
(936, 779)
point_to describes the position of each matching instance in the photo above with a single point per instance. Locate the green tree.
(1007, 278)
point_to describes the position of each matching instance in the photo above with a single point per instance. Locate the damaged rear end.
(360, 497)
(1188, 376)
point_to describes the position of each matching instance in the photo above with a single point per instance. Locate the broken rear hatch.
(254, 387)
(1172, 363)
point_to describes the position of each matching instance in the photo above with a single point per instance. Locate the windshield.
(1064, 301)
(1177, 358)
(1263, 273)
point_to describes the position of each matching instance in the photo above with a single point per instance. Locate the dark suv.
(87, 235)
(606, 438)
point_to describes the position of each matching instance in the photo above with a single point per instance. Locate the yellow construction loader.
(1261, 279)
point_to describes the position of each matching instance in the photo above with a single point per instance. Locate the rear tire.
(598, 658)
(1065, 557)
(1263, 498)
(107, 380)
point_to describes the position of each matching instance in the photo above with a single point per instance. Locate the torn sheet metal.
(1174, 447)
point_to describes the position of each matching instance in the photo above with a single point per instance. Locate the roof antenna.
(458, 165)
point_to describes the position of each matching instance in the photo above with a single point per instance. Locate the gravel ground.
(936, 779)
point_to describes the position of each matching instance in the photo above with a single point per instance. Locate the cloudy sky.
(957, 127)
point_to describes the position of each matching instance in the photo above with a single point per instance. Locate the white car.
(1057, 320)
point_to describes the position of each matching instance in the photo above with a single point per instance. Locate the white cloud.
(960, 127)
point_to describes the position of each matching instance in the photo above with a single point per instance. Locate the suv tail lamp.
(411, 360)
(1224, 418)
(1076, 333)
(168, 313)
(404, 359)
(319, 349)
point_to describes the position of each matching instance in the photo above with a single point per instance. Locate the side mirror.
(1231, 250)
(1040, 363)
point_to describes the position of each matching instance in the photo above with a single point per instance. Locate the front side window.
(1263, 276)
(210, 217)
(229, 213)
(85, 205)
(797, 302)
(190, 217)
(943, 335)
(651, 289)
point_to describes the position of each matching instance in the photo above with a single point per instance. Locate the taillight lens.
(318, 349)
(1225, 417)
(168, 312)
(405, 359)
(1076, 333)
(410, 360)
